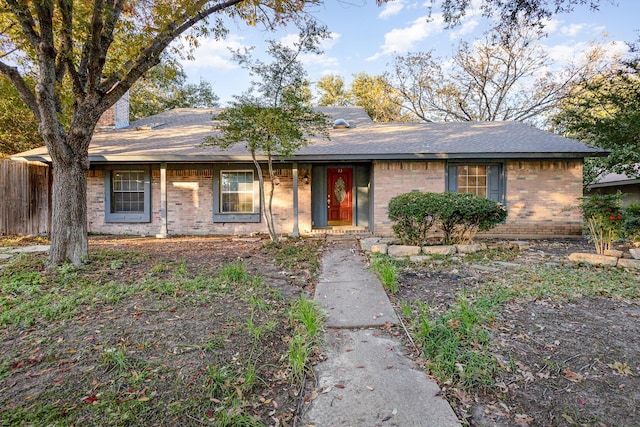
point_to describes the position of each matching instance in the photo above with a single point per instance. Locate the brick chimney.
(117, 116)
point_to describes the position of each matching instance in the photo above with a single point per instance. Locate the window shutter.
(493, 184)
(452, 179)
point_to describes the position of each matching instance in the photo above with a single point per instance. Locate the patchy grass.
(546, 343)
(386, 269)
(150, 332)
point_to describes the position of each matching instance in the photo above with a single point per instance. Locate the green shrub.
(462, 215)
(603, 217)
(459, 215)
(631, 222)
(413, 215)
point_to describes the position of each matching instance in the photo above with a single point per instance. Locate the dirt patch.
(158, 338)
(566, 358)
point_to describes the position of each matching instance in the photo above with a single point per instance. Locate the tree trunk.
(263, 210)
(272, 224)
(69, 213)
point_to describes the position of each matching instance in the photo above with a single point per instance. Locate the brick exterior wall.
(542, 198)
(540, 195)
(190, 196)
(392, 178)
(539, 198)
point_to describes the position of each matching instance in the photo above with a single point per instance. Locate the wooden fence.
(24, 198)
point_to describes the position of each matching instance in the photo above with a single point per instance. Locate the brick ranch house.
(154, 177)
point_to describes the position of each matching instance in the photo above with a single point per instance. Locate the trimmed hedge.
(459, 215)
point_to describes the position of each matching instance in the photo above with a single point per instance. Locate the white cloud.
(466, 28)
(551, 25)
(215, 54)
(391, 8)
(401, 40)
(572, 30)
(564, 54)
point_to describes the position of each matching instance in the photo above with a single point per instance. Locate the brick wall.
(540, 195)
(190, 206)
(392, 178)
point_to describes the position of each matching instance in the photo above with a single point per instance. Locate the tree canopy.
(278, 120)
(506, 76)
(604, 111)
(165, 87)
(102, 47)
(508, 13)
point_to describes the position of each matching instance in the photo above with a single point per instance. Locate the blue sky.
(367, 37)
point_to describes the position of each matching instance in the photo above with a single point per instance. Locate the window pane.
(236, 191)
(472, 179)
(127, 191)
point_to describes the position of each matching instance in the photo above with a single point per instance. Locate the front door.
(339, 196)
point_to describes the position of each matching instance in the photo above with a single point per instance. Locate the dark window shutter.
(493, 185)
(452, 179)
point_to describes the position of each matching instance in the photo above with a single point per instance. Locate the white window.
(236, 191)
(128, 194)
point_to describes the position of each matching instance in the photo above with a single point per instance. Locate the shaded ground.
(568, 356)
(184, 331)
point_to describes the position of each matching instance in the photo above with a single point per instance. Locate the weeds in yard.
(119, 334)
(386, 270)
(293, 254)
(116, 358)
(299, 352)
(456, 343)
(306, 317)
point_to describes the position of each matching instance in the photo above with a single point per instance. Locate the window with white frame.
(482, 179)
(472, 179)
(128, 195)
(127, 191)
(236, 191)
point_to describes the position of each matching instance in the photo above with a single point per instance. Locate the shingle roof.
(177, 135)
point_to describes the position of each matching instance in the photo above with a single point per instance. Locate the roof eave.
(96, 158)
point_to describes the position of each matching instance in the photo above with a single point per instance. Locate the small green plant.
(456, 343)
(631, 222)
(385, 268)
(234, 273)
(413, 214)
(603, 216)
(116, 358)
(305, 314)
(299, 352)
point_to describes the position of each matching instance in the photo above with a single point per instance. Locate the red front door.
(339, 196)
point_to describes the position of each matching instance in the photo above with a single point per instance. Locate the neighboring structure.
(614, 182)
(155, 177)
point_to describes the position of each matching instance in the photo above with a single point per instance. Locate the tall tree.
(504, 77)
(379, 99)
(604, 111)
(332, 91)
(165, 87)
(278, 120)
(102, 47)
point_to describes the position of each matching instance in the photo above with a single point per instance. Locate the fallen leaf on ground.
(622, 368)
(573, 376)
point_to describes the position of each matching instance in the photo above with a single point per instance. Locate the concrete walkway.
(366, 379)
